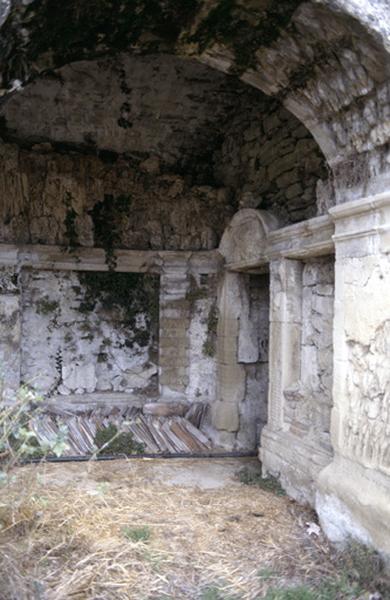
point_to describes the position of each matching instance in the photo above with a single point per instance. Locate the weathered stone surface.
(266, 162)
(165, 409)
(67, 200)
(72, 344)
(10, 332)
(244, 239)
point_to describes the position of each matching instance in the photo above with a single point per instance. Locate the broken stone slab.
(165, 409)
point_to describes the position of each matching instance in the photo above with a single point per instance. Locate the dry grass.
(67, 533)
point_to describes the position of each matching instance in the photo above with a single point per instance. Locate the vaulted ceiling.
(327, 61)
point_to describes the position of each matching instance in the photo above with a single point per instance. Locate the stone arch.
(244, 240)
(328, 62)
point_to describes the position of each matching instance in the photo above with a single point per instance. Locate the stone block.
(225, 416)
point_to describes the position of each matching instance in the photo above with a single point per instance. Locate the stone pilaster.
(353, 498)
(285, 334)
(174, 325)
(230, 373)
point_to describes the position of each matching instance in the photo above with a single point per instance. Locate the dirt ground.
(153, 529)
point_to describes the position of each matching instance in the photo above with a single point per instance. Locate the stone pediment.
(245, 238)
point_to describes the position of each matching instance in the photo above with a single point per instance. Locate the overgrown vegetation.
(132, 294)
(137, 534)
(108, 216)
(113, 442)
(228, 23)
(269, 484)
(359, 574)
(17, 439)
(210, 344)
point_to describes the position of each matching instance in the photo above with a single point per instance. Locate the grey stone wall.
(78, 340)
(272, 161)
(71, 200)
(202, 295)
(239, 412)
(186, 143)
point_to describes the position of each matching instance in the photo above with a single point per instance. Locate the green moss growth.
(107, 217)
(210, 343)
(128, 295)
(195, 292)
(228, 23)
(110, 441)
(270, 484)
(137, 534)
(45, 306)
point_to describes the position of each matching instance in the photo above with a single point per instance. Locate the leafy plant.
(270, 484)
(111, 441)
(296, 593)
(17, 439)
(215, 593)
(137, 534)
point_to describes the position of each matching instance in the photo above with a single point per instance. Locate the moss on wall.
(228, 23)
(107, 216)
(131, 294)
(209, 345)
(73, 30)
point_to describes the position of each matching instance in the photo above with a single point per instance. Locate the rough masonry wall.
(83, 333)
(171, 117)
(74, 199)
(156, 105)
(239, 412)
(272, 161)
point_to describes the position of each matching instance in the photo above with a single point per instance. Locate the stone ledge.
(49, 257)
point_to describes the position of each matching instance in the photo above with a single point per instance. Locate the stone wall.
(301, 367)
(170, 130)
(309, 401)
(273, 160)
(202, 295)
(86, 333)
(156, 105)
(74, 199)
